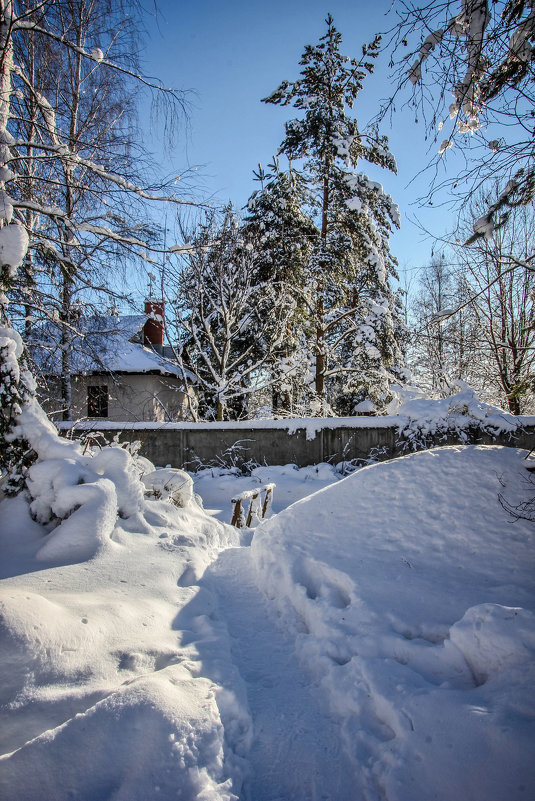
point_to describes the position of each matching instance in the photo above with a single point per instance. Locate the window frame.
(98, 400)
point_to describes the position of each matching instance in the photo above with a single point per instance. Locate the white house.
(120, 369)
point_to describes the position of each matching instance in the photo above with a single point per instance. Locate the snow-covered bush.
(16, 387)
(424, 423)
(79, 493)
(169, 484)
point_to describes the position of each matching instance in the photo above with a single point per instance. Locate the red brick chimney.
(153, 330)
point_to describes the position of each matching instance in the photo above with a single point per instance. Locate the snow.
(6, 213)
(373, 639)
(11, 344)
(13, 242)
(410, 598)
(310, 424)
(169, 484)
(102, 343)
(484, 226)
(365, 407)
(217, 486)
(103, 691)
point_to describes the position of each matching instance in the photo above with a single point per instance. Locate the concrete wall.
(188, 446)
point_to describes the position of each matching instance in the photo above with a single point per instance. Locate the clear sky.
(231, 54)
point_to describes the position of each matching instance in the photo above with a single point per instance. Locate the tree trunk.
(320, 349)
(66, 348)
(320, 309)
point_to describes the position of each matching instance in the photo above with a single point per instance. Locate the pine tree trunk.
(320, 350)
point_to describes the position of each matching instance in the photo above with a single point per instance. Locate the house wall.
(131, 398)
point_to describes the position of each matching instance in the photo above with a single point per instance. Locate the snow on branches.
(480, 54)
(349, 267)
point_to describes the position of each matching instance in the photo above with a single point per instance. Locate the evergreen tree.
(284, 236)
(347, 279)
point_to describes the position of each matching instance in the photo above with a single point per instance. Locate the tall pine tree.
(352, 305)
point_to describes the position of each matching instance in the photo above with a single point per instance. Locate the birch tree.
(229, 320)
(469, 67)
(77, 143)
(50, 144)
(502, 300)
(446, 343)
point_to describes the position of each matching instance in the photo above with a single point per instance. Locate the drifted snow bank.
(410, 594)
(79, 495)
(103, 690)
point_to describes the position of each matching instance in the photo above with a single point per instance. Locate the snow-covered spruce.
(352, 315)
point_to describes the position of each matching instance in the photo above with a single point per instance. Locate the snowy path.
(296, 753)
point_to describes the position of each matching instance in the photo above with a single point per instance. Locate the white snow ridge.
(372, 641)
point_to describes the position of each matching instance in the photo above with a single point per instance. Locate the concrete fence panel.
(189, 445)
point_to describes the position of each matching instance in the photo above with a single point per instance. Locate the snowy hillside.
(375, 641)
(410, 597)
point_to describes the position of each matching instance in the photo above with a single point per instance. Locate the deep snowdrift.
(411, 597)
(405, 598)
(102, 691)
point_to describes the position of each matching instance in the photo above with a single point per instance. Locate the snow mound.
(147, 739)
(103, 687)
(410, 596)
(79, 494)
(13, 240)
(494, 638)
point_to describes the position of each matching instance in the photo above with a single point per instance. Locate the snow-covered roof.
(102, 344)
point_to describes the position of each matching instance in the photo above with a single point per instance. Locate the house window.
(97, 401)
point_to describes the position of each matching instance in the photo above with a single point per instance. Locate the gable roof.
(102, 344)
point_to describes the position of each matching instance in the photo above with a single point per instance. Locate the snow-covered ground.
(217, 486)
(374, 641)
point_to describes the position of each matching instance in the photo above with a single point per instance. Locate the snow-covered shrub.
(16, 388)
(233, 459)
(169, 484)
(79, 494)
(424, 423)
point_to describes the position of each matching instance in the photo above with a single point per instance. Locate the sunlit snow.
(375, 640)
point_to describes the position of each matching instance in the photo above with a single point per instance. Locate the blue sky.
(231, 54)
